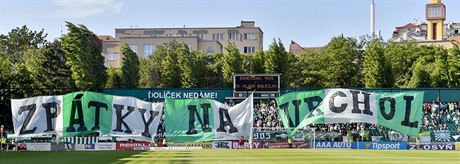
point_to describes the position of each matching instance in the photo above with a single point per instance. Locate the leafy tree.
(308, 68)
(232, 63)
(376, 70)
(84, 57)
(129, 67)
(113, 78)
(344, 67)
(170, 70)
(150, 68)
(454, 67)
(186, 63)
(421, 75)
(47, 70)
(214, 76)
(401, 57)
(277, 61)
(19, 40)
(257, 63)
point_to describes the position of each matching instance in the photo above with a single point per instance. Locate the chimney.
(373, 34)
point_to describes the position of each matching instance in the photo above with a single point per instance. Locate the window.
(234, 36)
(111, 56)
(249, 50)
(203, 36)
(210, 50)
(250, 36)
(435, 12)
(217, 36)
(134, 48)
(149, 49)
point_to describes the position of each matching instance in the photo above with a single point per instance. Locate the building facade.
(247, 37)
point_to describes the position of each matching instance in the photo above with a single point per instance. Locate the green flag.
(296, 105)
(398, 111)
(87, 112)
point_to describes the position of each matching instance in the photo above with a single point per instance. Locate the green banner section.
(87, 112)
(296, 105)
(189, 120)
(398, 111)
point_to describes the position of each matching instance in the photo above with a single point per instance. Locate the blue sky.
(309, 23)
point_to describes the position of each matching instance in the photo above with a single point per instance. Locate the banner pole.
(251, 133)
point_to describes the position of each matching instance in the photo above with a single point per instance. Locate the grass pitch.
(265, 156)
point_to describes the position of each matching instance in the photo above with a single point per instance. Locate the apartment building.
(247, 37)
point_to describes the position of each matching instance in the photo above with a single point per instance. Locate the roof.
(105, 38)
(454, 38)
(409, 25)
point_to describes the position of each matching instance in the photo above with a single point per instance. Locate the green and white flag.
(398, 111)
(81, 113)
(198, 120)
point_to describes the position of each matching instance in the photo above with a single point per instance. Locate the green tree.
(258, 62)
(344, 67)
(454, 67)
(129, 67)
(277, 61)
(214, 76)
(309, 70)
(150, 68)
(83, 55)
(232, 63)
(186, 61)
(376, 70)
(170, 70)
(113, 78)
(421, 76)
(401, 57)
(47, 70)
(19, 40)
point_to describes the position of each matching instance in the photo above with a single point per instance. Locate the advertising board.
(85, 147)
(133, 145)
(105, 146)
(380, 145)
(432, 146)
(246, 145)
(333, 145)
(38, 146)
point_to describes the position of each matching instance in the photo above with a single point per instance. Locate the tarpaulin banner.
(398, 111)
(285, 145)
(198, 120)
(432, 146)
(81, 113)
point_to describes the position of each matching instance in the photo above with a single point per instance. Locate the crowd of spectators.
(440, 115)
(266, 116)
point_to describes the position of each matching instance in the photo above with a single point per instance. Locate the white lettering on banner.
(342, 107)
(386, 146)
(236, 145)
(179, 95)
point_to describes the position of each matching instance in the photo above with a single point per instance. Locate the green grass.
(265, 156)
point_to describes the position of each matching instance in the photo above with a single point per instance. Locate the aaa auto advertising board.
(333, 145)
(432, 146)
(133, 146)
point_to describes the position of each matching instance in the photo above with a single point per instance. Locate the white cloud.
(86, 8)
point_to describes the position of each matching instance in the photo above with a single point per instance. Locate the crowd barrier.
(101, 146)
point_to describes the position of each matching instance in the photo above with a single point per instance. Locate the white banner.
(338, 98)
(241, 115)
(37, 116)
(38, 146)
(135, 118)
(105, 146)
